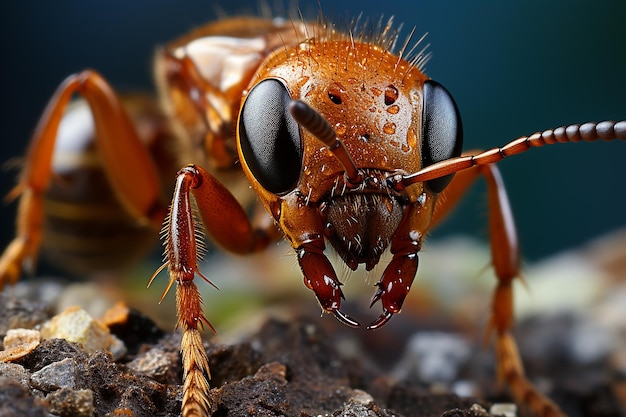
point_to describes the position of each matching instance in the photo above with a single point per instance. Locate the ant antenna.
(589, 132)
(319, 127)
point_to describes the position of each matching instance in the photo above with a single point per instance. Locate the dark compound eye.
(269, 137)
(442, 132)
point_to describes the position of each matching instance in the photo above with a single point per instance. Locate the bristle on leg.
(195, 361)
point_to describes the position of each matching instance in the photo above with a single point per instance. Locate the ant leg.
(125, 159)
(227, 223)
(505, 258)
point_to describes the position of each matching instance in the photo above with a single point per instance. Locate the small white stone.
(504, 409)
(77, 326)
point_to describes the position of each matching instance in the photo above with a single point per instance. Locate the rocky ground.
(289, 363)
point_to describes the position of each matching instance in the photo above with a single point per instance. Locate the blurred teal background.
(513, 68)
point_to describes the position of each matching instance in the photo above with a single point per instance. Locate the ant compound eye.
(270, 138)
(442, 132)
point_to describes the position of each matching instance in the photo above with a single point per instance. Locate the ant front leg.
(227, 223)
(506, 264)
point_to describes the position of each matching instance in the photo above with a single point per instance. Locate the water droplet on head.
(393, 109)
(389, 128)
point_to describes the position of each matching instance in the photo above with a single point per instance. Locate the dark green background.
(513, 67)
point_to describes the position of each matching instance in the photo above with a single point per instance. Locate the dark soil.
(284, 369)
(298, 367)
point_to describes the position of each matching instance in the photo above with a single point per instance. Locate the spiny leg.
(228, 225)
(195, 360)
(182, 262)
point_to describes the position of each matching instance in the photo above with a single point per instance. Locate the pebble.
(361, 397)
(76, 325)
(154, 364)
(75, 403)
(19, 343)
(61, 374)
(14, 371)
(504, 409)
(433, 357)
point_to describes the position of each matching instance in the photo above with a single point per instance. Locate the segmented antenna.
(590, 132)
(311, 120)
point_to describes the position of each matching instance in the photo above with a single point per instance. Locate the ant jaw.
(345, 319)
(380, 321)
(384, 316)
